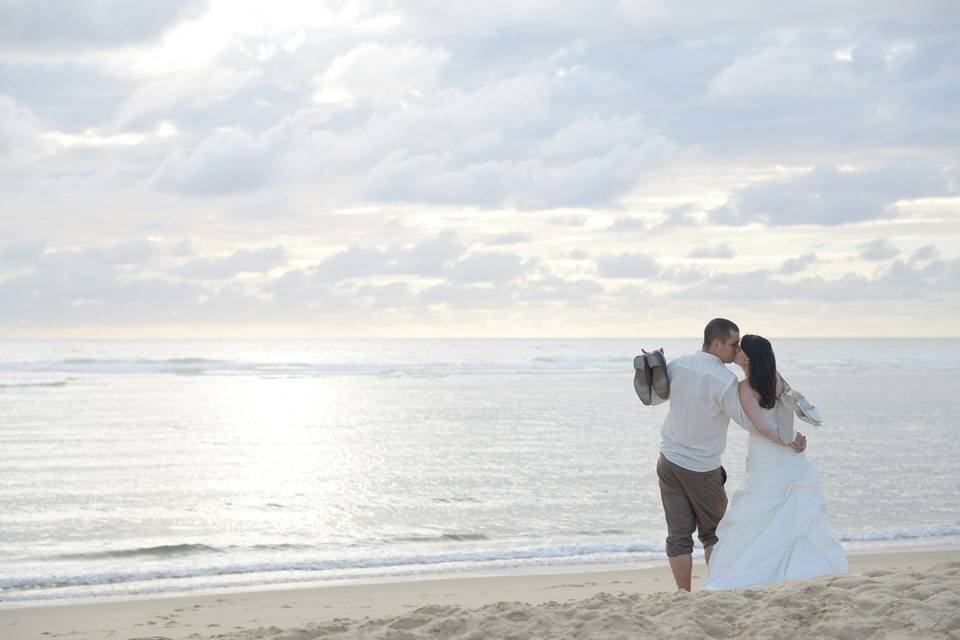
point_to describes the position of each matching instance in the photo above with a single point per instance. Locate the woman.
(776, 528)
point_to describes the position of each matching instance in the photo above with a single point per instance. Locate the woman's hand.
(799, 443)
(742, 361)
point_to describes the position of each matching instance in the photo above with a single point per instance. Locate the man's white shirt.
(704, 397)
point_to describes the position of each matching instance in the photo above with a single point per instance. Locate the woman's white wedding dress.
(776, 527)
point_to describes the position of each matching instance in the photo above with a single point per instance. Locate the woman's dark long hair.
(763, 368)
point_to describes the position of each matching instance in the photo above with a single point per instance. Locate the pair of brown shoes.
(651, 376)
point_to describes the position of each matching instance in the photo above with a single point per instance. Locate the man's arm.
(730, 402)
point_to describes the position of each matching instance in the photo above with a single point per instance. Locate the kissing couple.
(776, 528)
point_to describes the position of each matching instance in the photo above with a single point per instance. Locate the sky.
(511, 168)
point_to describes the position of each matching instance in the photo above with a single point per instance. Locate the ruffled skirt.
(776, 526)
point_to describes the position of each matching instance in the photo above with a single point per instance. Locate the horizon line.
(412, 338)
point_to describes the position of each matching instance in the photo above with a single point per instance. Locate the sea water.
(140, 468)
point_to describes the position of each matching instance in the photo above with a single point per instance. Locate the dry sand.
(893, 595)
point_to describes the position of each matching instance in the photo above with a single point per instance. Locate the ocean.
(130, 469)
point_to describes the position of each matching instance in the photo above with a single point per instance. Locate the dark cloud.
(80, 24)
(827, 196)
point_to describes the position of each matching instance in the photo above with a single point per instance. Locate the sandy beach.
(901, 595)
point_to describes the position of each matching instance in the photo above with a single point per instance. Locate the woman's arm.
(751, 406)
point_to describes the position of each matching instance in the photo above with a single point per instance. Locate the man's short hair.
(718, 329)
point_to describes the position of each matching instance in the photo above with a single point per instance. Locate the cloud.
(89, 283)
(798, 264)
(471, 297)
(681, 275)
(182, 91)
(722, 251)
(488, 267)
(512, 237)
(183, 249)
(123, 253)
(241, 261)
(549, 290)
(784, 71)
(878, 249)
(23, 252)
(676, 216)
(19, 128)
(233, 160)
(429, 257)
(351, 263)
(78, 24)
(553, 289)
(627, 223)
(441, 256)
(928, 252)
(268, 208)
(533, 160)
(593, 136)
(901, 281)
(568, 220)
(828, 196)
(227, 162)
(448, 116)
(627, 265)
(380, 73)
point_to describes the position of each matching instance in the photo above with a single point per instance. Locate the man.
(704, 397)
